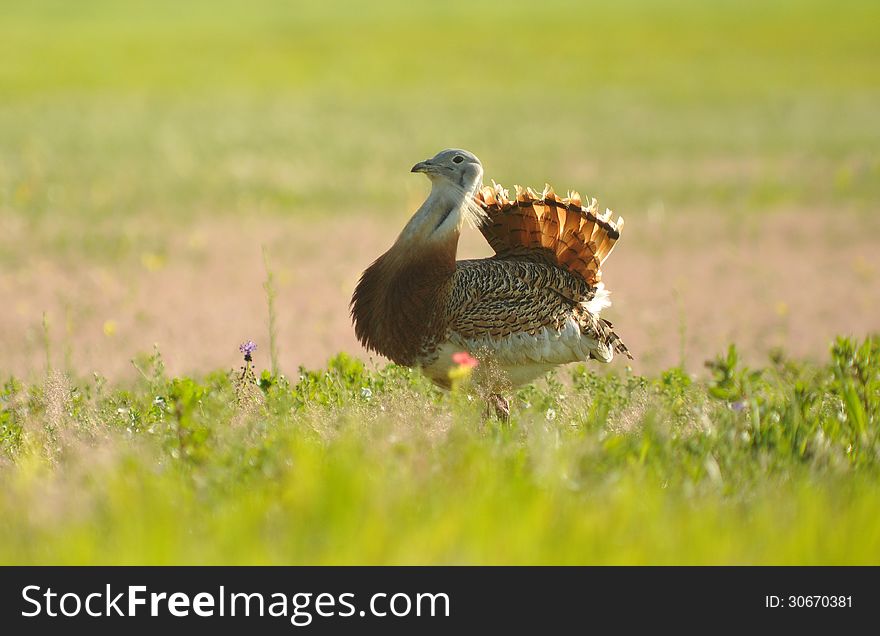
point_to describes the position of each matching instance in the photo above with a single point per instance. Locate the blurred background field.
(149, 151)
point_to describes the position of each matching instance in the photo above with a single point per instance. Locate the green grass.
(348, 465)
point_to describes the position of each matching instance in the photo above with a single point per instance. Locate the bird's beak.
(423, 166)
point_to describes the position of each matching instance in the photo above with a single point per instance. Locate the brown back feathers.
(545, 227)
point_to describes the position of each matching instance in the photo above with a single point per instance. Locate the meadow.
(178, 178)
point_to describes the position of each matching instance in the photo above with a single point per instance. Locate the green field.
(127, 116)
(130, 130)
(345, 465)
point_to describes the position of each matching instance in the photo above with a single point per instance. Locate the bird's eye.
(457, 159)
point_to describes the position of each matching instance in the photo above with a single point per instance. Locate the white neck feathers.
(443, 213)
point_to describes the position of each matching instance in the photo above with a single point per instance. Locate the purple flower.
(739, 405)
(247, 348)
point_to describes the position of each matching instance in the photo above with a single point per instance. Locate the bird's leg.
(501, 406)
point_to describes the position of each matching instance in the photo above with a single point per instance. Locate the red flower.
(464, 359)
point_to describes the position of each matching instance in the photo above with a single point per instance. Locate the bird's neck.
(439, 219)
(399, 304)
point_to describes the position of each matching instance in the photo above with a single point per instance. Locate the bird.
(535, 304)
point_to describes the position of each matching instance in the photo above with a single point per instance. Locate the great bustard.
(532, 306)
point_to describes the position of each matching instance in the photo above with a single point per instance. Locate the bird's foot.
(501, 406)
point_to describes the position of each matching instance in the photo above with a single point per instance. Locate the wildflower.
(550, 415)
(464, 359)
(465, 363)
(739, 405)
(247, 377)
(366, 393)
(247, 348)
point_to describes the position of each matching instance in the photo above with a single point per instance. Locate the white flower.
(366, 393)
(550, 415)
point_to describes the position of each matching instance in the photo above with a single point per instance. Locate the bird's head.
(459, 168)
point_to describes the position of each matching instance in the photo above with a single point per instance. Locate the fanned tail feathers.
(550, 228)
